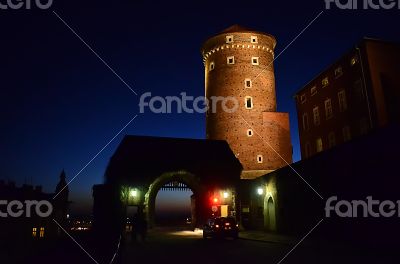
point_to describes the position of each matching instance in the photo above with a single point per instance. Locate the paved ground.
(171, 245)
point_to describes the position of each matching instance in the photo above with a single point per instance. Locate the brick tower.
(239, 63)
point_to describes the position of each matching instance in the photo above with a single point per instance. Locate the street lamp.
(260, 191)
(225, 195)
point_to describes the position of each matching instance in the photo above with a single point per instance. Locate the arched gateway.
(141, 166)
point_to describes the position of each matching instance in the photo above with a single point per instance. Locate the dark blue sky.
(59, 104)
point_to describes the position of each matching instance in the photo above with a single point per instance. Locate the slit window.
(253, 39)
(212, 66)
(230, 60)
(254, 60)
(249, 132)
(229, 39)
(259, 158)
(247, 83)
(248, 102)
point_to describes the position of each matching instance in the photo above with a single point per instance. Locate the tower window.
(316, 116)
(325, 82)
(248, 102)
(41, 234)
(254, 60)
(303, 98)
(342, 101)
(34, 232)
(249, 132)
(319, 144)
(230, 60)
(328, 109)
(247, 83)
(353, 60)
(212, 66)
(338, 72)
(253, 39)
(313, 90)
(259, 158)
(229, 39)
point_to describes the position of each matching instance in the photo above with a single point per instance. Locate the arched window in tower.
(259, 158)
(253, 39)
(229, 39)
(230, 60)
(254, 61)
(248, 102)
(212, 66)
(41, 234)
(34, 232)
(249, 132)
(247, 83)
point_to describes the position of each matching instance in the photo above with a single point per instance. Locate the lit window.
(331, 139)
(325, 82)
(353, 60)
(338, 72)
(305, 122)
(249, 132)
(363, 126)
(34, 232)
(319, 144)
(308, 150)
(229, 39)
(41, 234)
(313, 90)
(342, 101)
(212, 66)
(346, 133)
(247, 83)
(303, 98)
(248, 102)
(259, 158)
(328, 109)
(230, 60)
(316, 116)
(254, 60)
(254, 39)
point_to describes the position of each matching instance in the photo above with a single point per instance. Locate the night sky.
(60, 105)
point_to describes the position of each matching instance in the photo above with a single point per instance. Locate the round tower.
(239, 63)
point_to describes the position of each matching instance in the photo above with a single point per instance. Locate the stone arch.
(184, 177)
(269, 213)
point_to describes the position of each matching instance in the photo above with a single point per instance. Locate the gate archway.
(269, 214)
(188, 179)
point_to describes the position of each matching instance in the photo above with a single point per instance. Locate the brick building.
(357, 93)
(239, 64)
